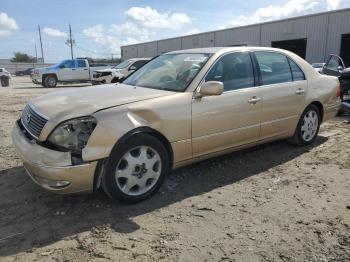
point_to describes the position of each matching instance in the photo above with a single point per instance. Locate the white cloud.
(333, 4)
(289, 9)
(151, 18)
(140, 26)
(107, 42)
(192, 31)
(54, 32)
(96, 31)
(129, 28)
(7, 24)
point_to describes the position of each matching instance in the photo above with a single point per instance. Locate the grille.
(32, 121)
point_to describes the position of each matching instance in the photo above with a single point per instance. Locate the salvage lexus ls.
(179, 108)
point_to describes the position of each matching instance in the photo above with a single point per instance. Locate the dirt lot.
(275, 202)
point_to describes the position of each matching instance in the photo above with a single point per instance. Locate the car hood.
(43, 69)
(106, 70)
(60, 106)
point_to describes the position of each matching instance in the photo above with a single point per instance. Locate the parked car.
(26, 72)
(119, 72)
(4, 77)
(180, 108)
(67, 71)
(318, 66)
(335, 66)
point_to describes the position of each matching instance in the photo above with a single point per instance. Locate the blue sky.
(101, 27)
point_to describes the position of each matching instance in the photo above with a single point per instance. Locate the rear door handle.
(300, 91)
(254, 100)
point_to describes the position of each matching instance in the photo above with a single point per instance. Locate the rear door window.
(234, 70)
(274, 68)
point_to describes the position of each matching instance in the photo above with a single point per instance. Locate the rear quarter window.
(298, 74)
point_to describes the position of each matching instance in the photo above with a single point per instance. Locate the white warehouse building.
(313, 37)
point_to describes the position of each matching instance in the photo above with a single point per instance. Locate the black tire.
(5, 81)
(114, 80)
(109, 181)
(50, 82)
(298, 138)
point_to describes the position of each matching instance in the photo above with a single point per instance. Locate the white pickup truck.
(67, 71)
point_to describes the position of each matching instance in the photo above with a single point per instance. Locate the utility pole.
(41, 45)
(70, 42)
(36, 55)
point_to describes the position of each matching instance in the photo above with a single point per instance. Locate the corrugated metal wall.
(322, 31)
(169, 45)
(249, 36)
(339, 23)
(147, 49)
(200, 40)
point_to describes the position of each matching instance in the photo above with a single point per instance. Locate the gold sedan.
(179, 108)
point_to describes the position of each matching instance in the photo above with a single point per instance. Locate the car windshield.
(173, 72)
(122, 64)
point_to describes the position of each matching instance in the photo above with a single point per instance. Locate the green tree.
(22, 57)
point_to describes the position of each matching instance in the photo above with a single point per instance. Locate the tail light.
(338, 90)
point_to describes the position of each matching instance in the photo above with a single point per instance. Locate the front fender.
(170, 116)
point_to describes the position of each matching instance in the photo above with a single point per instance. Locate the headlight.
(73, 134)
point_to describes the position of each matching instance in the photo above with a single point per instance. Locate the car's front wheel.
(5, 81)
(308, 126)
(136, 169)
(50, 81)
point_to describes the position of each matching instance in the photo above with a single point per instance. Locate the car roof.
(142, 58)
(213, 50)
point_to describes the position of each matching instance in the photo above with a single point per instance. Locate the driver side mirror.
(62, 66)
(340, 68)
(132, 68)
(211, 88)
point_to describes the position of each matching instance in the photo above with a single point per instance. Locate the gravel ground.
(275, 202)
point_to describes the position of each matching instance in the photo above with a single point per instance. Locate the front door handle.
(300, 91)
(254, 100)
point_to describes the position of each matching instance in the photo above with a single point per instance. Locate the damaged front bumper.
(53, 170)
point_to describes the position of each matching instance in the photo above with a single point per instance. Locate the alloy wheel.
(138, 170)
(309, 125)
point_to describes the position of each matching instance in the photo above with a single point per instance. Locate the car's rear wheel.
(136, 169)
(308, 126)
(50, 81)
